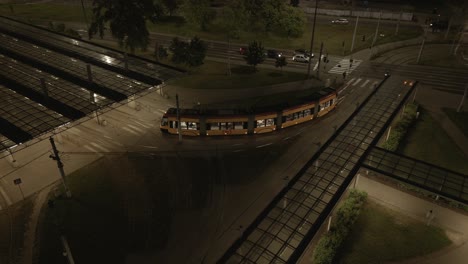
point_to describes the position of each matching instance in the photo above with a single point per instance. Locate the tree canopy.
(255, 54)
(198, 12)
(127, 21)
(190, 53)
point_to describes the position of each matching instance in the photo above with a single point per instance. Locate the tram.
(221, 122)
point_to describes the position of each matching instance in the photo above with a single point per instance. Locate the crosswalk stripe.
(364, 84)
(143, 125)
(357, 81)
(135, 128)
(90, 148)
(129, 130)
(100, 147)
(350, 81)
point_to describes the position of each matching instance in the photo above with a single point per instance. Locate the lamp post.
(312, 38)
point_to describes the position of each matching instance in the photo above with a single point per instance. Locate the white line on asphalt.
(143, 125)
(238, 150)
(286, 138)
(357, 81)
(315, 67)
(238, 144)
(264, 145)
(350, 81)
(153, 147)
(136, 128)
(5, 196)
(129, 130)
(100, 147)
(364, 84)
(90, 149)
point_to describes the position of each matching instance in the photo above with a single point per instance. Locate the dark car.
(305, 52)
(438, 25)
(273, 54)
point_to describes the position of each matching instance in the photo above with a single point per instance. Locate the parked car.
(301, 58)
(273, 54)
(304, 52)
(242, 50)
(342, 21)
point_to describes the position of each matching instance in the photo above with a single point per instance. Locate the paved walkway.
(455, 223)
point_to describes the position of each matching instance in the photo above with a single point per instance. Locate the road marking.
(129, 130)
(136, 128)
(99, 147)
(264, 145)
(238, 150)
(5, 196)
(90, 149)
(286, 138)
(315, 67)
(364, 84)
(238, 144)
(143, 125)
(357, 81)
(350, 81)
(153, 147)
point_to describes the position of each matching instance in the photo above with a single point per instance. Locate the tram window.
(227, 125)
(164, 121)
(270, 122)
(307, 112)
(188, 125)
(260, 123)
(239, 125)
(214, 126)
(173, 124)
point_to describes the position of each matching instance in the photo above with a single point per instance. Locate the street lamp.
(312, 38)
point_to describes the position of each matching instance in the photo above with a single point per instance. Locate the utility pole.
(398, 24)
(354, 34)
(376, 32)
(179, 130)
(84, 14)
(421, 50)
(91, 93)
(448, 28)
(67, 249)
(229, 56)
(312, 38)
(463, 99)
(56, 157)
(319, 60)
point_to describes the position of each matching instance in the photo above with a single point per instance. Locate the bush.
(346, 215)
(400, 128)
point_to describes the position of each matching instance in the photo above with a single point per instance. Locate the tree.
(281, 62)
(179, 50)
(234, 17)
(294, 3)
(255, 54)
(196, 52)
(127, 21)
(171, 5)
(198, 12)
(292, 21)
(190, 53)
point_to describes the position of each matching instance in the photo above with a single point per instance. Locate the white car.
(342, 21)
(301, 58)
